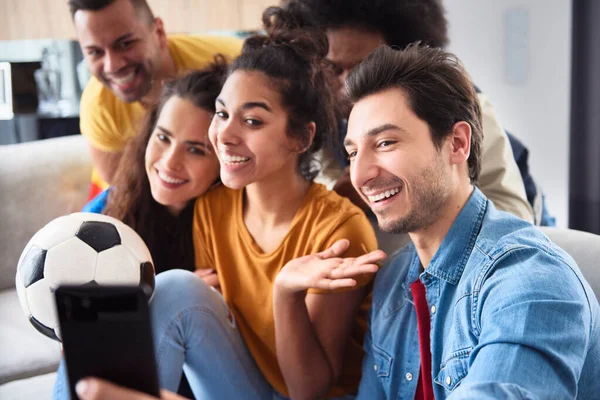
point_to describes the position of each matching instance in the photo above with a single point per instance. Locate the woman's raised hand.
(327, 270)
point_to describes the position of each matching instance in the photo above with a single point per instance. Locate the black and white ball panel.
(99, 235)
(114, 267)
(44, 330)
(131, 240)
(33, 265)
(55, 232)
(71, 262)
(40, 300)
(147, 272)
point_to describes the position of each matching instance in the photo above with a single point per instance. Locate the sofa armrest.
(39, 181)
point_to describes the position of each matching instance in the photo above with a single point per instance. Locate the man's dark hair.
(401, 22)
(437, 88)
(141, 7)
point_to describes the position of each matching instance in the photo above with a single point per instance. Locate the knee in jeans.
(180, 284)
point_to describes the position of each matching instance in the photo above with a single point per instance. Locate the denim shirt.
(511, 316)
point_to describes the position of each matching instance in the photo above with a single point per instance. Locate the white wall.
(525, 71)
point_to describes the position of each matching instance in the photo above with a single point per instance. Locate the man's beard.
(142, 90)
(430, 193)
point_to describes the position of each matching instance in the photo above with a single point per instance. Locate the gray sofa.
(39, 181)
(42, 180)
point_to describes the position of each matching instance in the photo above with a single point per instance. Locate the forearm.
(491, 391)
(304, 365)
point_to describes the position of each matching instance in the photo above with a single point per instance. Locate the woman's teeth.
(234, 159)
(169, 179)
(384, 195)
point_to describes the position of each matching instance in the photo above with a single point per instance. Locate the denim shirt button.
(374, 367)
(408, 376)
(433, 309)
(448, 381)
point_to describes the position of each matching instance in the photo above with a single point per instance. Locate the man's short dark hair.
(437, 88)
(141, 7)
(400, 22)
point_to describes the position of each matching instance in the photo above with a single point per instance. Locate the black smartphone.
(106, 333)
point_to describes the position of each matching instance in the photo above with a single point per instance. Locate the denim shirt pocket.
(383, 362)
(454, 369)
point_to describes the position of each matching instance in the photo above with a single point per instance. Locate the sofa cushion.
(583, 247)
(39, 181)
(25, 352)
(37, 388)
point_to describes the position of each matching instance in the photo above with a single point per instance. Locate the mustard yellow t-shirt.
(109, 123)
(246, 274)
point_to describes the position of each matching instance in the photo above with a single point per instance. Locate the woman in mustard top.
(292, 260)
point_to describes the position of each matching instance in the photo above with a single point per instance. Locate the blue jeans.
(194, 331)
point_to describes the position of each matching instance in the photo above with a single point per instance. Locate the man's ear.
(460, 142)
(159, 29)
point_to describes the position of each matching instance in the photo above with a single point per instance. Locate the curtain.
(584, 171)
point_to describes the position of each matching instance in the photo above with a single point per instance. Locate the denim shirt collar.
(448, 263)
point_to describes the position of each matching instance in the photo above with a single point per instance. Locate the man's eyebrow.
(382, 128)
(119, 39)
(192, 142)
(376, 131)
(124, 37)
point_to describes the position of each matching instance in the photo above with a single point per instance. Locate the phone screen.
(106, 334)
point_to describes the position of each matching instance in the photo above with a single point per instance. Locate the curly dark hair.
(292, 56)
(168, 237)
(401, 22)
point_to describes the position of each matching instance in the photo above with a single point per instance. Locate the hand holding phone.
(98, 389)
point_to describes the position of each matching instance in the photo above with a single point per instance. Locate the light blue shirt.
(511, 316)
(98, 203)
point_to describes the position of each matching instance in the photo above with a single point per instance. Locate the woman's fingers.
(335, 250)
(370, 258)
(204, 272)
(209, 276)
(339, 268)
(353, 271)
(332, 284)
(211, 280)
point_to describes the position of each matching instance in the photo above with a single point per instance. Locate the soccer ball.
(78, 249)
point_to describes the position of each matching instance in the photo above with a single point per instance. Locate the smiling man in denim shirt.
(482, 304)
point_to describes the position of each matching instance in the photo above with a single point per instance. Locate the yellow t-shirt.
(246, 274)
(109, 123)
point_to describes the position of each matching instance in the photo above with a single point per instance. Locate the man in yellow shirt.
(130, 56)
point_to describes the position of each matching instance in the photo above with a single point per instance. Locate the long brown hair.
(168, 238)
